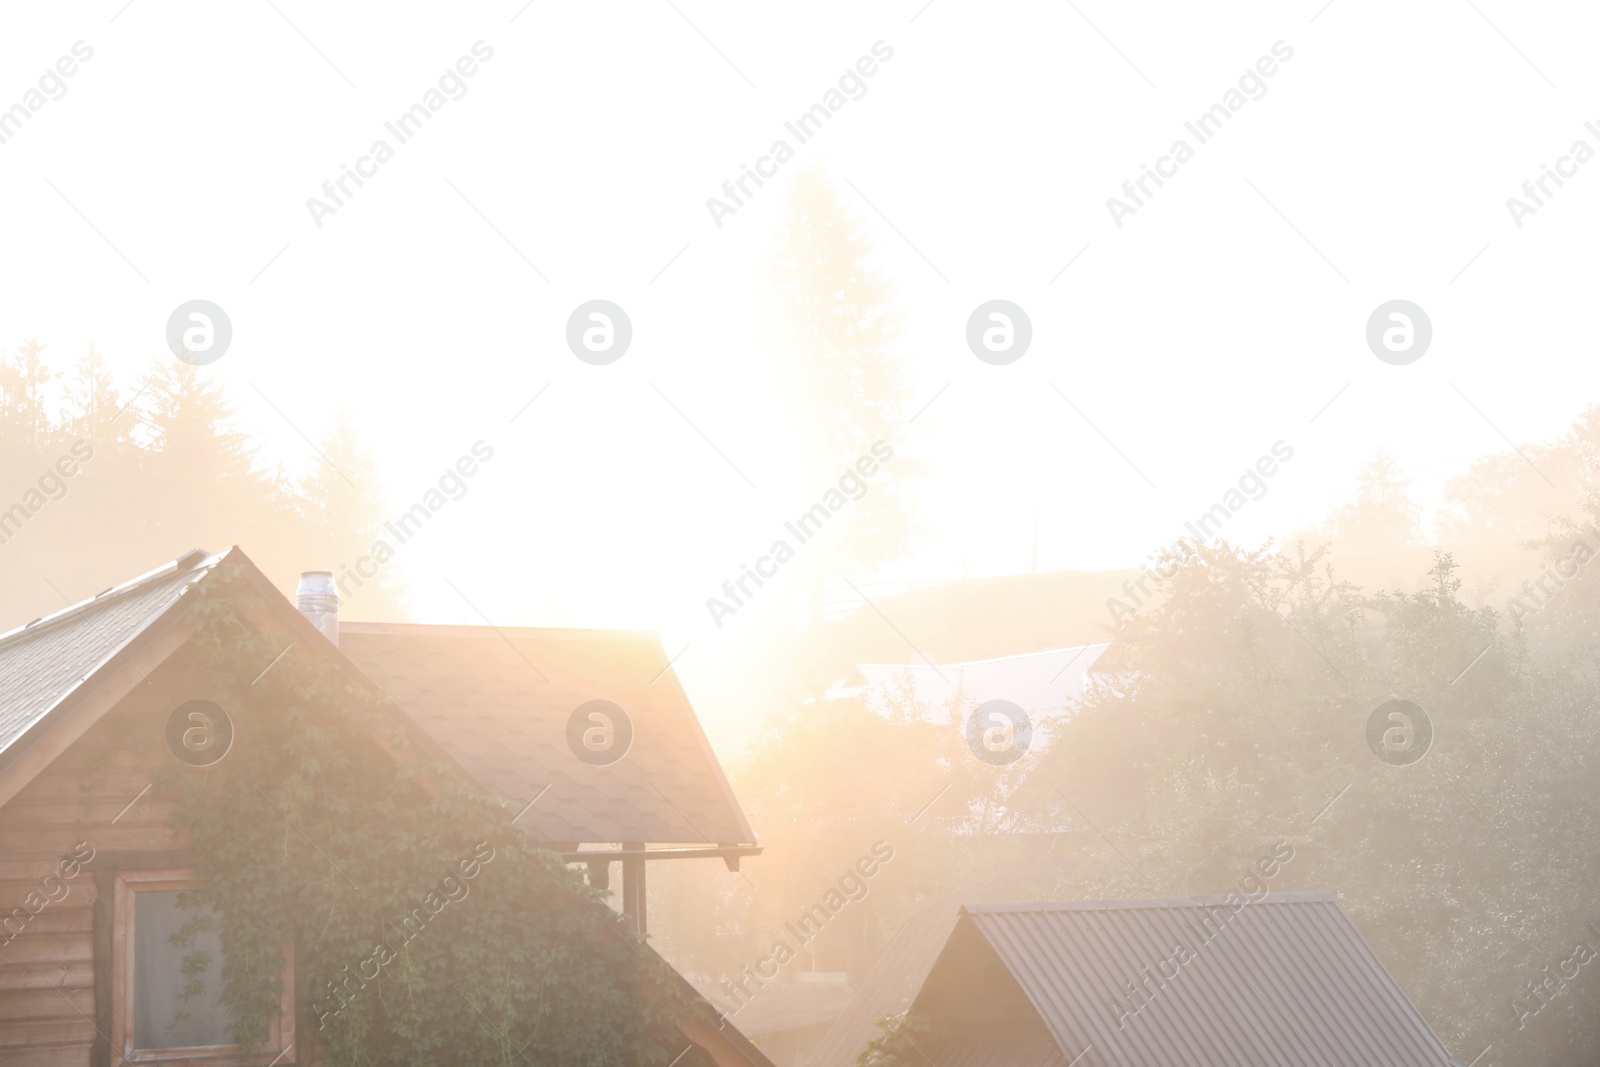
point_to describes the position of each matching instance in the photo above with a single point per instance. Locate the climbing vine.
(425, 927)
(897, 1045)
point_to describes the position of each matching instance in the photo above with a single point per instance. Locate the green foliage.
(828, 759)
(897, 1045)
(820, 787)
(329, 823)
(1242, 721)
(1237, 719)
(24, 417)
(342, 505)
(1382, 515)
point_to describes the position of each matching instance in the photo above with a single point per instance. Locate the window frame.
(128, 883)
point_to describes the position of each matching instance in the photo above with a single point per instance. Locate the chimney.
(318, 600)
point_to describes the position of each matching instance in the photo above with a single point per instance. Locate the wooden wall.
(49, 1008)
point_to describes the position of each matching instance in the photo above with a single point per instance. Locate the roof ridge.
(1013, 907)
(431, 629)
(1025, 655)
(182, 565)
(991, 659)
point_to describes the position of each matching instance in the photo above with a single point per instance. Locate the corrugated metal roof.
(1285, 980)
(497, 699)
(44, 661)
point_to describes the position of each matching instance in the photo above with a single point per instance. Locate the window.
(151, 1019)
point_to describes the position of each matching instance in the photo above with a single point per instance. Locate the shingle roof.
(44, 661)
(498, 700)
(1287, 979)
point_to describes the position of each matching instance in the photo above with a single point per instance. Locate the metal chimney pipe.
(318, 600)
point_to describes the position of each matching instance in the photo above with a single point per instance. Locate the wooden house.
(92, 863)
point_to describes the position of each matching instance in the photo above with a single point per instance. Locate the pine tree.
(837, 316)
(97, 413)
(344, 506)
(201, 472)
(26, 431)
(1383, 515)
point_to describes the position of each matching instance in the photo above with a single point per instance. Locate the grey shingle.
(41, 663)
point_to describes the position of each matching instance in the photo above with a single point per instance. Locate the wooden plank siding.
(50, 1008)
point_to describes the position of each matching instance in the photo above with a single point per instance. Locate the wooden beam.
(716, 1043)
(729, 854)
(599, 874)
(634, 897)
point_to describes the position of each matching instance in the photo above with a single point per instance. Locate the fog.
(1298, 419)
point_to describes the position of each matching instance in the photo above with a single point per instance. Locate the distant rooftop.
(1044, 684)
(1285, 980)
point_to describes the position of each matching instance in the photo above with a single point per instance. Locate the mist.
(1065, 457)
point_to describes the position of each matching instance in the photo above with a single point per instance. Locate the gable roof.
(495, 700)
(56, 671)
(891, 985)
(498, 699)
(46, 660)
(1288, 979)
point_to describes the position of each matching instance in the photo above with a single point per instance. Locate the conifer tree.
(837, 318)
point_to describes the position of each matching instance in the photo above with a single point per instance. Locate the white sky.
(1194, 337)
